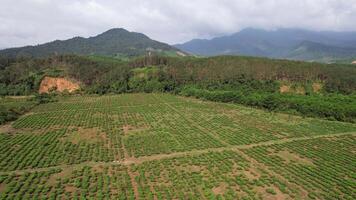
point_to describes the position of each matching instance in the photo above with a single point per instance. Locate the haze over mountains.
(114, 42)
(296, 44)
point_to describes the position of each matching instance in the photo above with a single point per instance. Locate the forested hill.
(295, 44)
(114, 42)
(309, 89)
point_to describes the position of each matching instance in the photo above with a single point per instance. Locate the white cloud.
(28, 22)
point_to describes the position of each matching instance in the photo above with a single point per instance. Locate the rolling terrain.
(293, 44)
(161, 146)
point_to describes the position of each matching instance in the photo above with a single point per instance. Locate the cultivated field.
(159, 146)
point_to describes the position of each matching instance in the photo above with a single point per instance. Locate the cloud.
(30, 22)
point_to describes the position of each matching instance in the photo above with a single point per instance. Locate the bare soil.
(289, 89)
(284, 89)
(89, 135)
(317, 87)
(300, 90)
(221, 189)
(71, 189)
(57, 84)
(288, 157)
(267, 196)
(63, 174)
(2, 187)
(7, 128)
(252, 174)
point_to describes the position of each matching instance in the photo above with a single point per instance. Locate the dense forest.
(310, 89)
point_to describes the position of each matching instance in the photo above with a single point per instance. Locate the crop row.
(84, 183)
(23, 151)
(323, 167)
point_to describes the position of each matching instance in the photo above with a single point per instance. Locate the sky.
(32, 22)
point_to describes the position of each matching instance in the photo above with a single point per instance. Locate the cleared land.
(159, 146)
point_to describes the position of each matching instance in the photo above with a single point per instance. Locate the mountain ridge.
(279, 43)
(113, 42)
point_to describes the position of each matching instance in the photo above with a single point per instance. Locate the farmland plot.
(160, 146)
(323, 167)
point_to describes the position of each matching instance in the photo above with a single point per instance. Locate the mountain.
(320, 52)
(295, 44)
(114, 42)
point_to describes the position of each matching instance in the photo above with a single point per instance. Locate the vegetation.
(161, 146)
(103, 143)
(314, 90)
(12, 108)
(114, 42)
(334, 107)
(311, 164)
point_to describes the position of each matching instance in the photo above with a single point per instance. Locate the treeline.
(332, 107)
(22, 76)
(245, 80)
(108, 75)
(337, 78)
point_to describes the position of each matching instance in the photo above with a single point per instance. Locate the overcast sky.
(30, 22)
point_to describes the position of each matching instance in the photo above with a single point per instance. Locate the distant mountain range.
(296, 44)
(114, 42)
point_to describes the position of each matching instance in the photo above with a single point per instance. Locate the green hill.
(114, 42)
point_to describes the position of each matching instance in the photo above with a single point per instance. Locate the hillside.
(282, 43)
(160, 146)
(114, 42)
(313, 51)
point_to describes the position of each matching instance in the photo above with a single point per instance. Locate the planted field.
(159, 146)
(12, 103)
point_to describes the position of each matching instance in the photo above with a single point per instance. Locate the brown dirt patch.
(88, 135)
(63, 174)
(300, 90)
(221, 189)
(293, 157)
(268, 196)
(7, 128)
(289, 89)
(317, 87)
(2, 187)
(252, 174)
(57, 84)
(70, 189)
(284, 89)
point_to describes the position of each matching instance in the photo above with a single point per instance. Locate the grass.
(159, 146)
